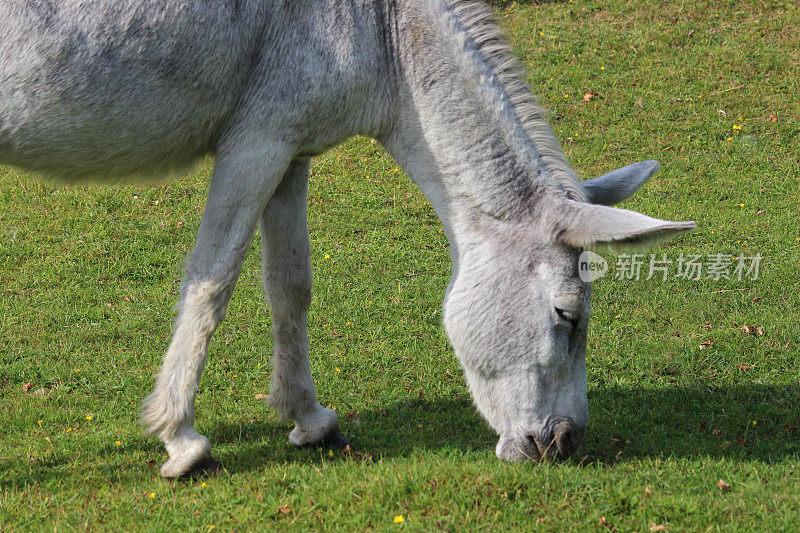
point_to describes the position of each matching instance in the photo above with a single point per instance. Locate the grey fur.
(619, 184)
(107, 89)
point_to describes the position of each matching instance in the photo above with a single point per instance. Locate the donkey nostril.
(534, 446)
(568, 438)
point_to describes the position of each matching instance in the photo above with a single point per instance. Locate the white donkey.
(104, 89)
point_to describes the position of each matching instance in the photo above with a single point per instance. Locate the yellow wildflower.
(399, 519)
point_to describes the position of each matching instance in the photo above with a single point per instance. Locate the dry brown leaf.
(350, 452)
(753, 330)
(717, 432)
(723, 486)
(28, 386)
(657, 527)
(648, 491)
(773, 119)
(284, 509)
(604, 522)
(706, 344)
(260, 396)
(588, 96)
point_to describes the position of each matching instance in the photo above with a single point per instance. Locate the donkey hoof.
(204, 466)
(333, 440)
(190, 467)
(208, 467)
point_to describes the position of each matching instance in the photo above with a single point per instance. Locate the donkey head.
(517, 313)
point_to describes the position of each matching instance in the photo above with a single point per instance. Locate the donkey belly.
(102, 88)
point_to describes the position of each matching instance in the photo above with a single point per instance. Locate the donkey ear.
(619, 184)
(585, 225)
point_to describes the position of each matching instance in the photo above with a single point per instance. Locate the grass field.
(685, 390)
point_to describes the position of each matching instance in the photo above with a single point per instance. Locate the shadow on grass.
(625, 423)
(743, 422)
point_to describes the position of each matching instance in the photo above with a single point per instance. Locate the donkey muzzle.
(518, 446)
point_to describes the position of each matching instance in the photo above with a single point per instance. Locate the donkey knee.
(288, 292)
(204, 304)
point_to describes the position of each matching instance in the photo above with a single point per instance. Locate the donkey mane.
(480, 24)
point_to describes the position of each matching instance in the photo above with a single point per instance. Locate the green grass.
(89, 276)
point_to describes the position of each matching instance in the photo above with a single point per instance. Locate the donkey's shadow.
(625, 423)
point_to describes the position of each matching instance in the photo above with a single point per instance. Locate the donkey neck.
(465, 127)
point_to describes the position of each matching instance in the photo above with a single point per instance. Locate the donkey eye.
(568, 316)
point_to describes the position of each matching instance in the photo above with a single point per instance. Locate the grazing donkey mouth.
(518, 446)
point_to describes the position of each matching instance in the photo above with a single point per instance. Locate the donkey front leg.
(287, 283)
(240, 187)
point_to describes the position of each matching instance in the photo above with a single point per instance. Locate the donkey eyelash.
(568, 316)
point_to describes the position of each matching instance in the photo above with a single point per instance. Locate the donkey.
(106, 89)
